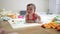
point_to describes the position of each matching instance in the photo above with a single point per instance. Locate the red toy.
(58, 28)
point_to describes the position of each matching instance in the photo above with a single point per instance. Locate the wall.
(58, 6)
(52, 6)
(17, 5)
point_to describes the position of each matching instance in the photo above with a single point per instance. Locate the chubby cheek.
(29, 11)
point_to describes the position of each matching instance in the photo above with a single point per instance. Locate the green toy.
(56, 22)
(57, 17)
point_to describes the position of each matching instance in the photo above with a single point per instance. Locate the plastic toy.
(50, 25)
(58, 28)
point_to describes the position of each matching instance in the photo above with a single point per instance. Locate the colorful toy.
(58, 28)
(20, 16)
(57, 19)
(50, 25)
(54, 24)
(47, 26)
(13, 16)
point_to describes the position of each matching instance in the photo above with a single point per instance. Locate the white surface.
(18, 24)
(14, 26)
(57, 1)
(46, 18)
(17, 5)
(52, 6)
(58, 6)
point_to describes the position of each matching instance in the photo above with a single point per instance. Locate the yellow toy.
(11, 16)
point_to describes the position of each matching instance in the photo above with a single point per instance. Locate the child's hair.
(31, 4)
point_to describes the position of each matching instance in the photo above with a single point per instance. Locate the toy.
(54, 25)
(57, 19)
(11, 16)
(20, 16)
(46, 26)
(58, 27)
(50, 25)
(5, 18)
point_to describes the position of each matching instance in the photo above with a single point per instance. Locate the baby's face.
(30, 9)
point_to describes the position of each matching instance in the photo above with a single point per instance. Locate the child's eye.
(30, 9)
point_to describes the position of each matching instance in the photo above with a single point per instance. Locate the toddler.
(31, 16)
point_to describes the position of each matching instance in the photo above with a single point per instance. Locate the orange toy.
(58, 28)
(12, 16)
(53, 25)
(46, 26)
(50, 25)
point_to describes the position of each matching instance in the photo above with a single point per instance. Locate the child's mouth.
(28, 12)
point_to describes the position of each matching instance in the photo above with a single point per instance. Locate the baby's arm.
(27, 21)
(26, 18)
(39, 18)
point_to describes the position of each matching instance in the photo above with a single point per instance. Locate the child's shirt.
(34, 18)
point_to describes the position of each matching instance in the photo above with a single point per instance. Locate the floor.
(29, 30)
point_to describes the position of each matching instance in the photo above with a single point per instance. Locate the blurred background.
(42, 6)
(11, 12)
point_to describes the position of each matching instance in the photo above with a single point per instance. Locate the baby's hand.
(40, 22)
